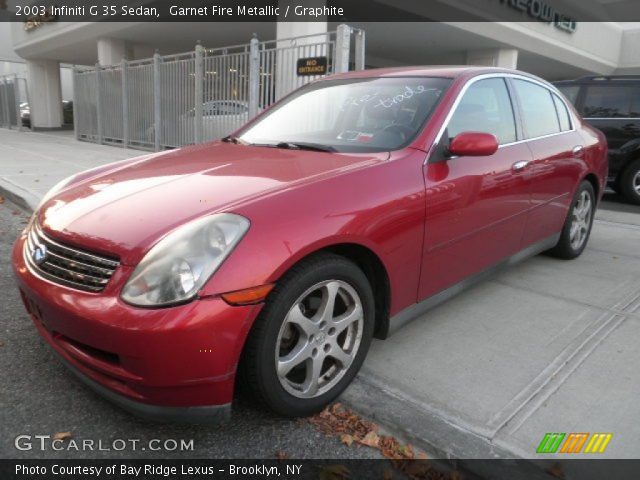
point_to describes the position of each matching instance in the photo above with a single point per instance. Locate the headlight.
(179, 265)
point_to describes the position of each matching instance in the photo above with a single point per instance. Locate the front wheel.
(630, 182)
(577, 228)
(311, 337)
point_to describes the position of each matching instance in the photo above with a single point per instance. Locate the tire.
(579, 222)
(294, 325)
(630, 182)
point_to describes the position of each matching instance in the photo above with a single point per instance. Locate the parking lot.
(547, 346)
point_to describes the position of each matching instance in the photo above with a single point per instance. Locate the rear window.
(538, 109)
(612, 101)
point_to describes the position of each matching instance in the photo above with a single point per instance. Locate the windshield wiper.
(314, 147)
(232, 139)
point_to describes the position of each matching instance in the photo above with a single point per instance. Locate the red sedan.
(274, 256)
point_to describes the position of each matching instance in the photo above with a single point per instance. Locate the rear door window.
(563, 114)
(538, 109)
(612, 101)
(485, 107)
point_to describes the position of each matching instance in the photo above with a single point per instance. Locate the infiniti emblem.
(39, 255)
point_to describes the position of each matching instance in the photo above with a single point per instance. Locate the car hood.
(122, 211)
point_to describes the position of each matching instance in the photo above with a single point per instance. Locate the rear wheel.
(311, 337)
(577, 228)
(630, 182)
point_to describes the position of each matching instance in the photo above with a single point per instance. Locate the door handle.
(577, 151)
(521, 165)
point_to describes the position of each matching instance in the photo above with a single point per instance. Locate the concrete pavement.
(547, 346)
(31, 163)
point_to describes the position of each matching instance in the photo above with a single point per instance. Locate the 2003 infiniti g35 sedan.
(274, 256)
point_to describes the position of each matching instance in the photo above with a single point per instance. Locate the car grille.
(66, 265)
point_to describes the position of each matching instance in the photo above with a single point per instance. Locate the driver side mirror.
(473, 144)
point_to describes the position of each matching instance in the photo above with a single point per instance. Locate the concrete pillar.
(112, 51)
(45, 94)
(498, 57)
(286, 77)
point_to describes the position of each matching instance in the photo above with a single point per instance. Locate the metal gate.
(13, 92)
(174, 100)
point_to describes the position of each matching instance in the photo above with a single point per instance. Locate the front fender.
(381, 207)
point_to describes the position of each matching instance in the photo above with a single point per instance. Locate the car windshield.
(355, 115)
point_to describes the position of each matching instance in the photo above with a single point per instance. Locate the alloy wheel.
(635, 183)
(319, 339)
(582, 211)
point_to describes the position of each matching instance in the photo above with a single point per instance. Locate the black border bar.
(559, 12)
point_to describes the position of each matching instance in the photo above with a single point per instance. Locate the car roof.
(444, 71)
(600, 79)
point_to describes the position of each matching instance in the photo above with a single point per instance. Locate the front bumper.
(174, 363)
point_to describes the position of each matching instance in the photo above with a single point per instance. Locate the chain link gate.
(181, 99)
(13, 92)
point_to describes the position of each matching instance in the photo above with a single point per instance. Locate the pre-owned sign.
(311, 66)
(543, 12)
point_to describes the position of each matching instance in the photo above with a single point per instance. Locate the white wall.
(630, 54)
(66, 80)
(10, 63)
(593, 47)
(6, 44)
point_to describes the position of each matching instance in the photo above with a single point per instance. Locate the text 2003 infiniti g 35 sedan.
(274, 257)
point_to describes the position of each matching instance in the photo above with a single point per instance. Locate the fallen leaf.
(280, 455)
(62, 435)
(455, 475)
(1, 344)
(334, 472)
(371, 439)
(350, 428)
(418, 470)
(555, 470)
(1, 199)
(406, 451)
(346, 439)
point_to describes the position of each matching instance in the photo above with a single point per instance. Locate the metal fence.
(173, 100)
(13, 92)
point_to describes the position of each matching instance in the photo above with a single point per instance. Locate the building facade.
(584, 48)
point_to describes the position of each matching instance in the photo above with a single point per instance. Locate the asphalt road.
(38, 396)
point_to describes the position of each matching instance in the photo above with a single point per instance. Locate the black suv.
(612, 105)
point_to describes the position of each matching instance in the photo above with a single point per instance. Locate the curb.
(18, 195)
(440, 438)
